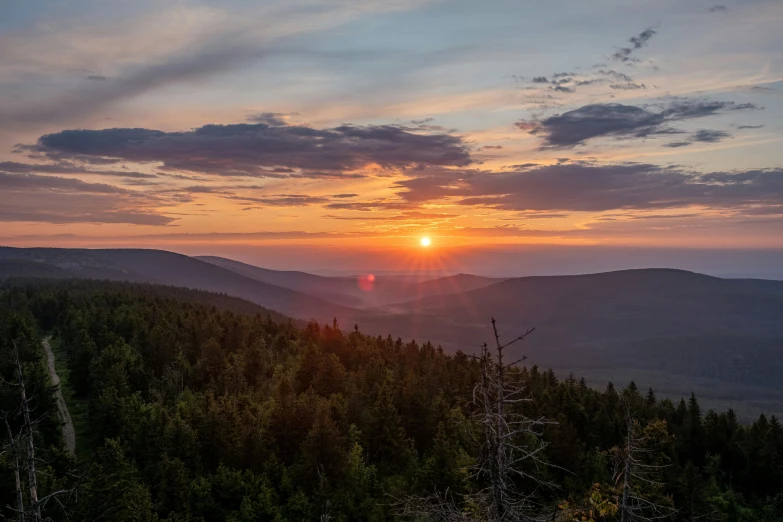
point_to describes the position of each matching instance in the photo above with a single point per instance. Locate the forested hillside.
(674, 330)
(204, 407)
(163, 268)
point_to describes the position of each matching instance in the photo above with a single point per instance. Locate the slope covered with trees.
(205, 408)
(674, 330)
(168, 268)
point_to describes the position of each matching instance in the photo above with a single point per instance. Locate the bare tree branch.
(633, 470)
(511, 449)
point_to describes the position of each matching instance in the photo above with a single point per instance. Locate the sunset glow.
(274, 124)
(391, 260)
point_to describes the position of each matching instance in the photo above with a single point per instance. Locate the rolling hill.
(168, 268)
(674, 330)
(29, 268)
(381, 291)
(340, 290)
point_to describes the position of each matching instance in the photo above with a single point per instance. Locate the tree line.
(207, 408)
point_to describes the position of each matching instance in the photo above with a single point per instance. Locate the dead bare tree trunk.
(32, 481)
(624, 506)
(494, 453)
(15, 454)
(28, 509)
(512, 440)
(510, 447)
(499, 501)
(635, 471)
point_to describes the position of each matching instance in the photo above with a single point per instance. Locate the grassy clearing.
(76, 407)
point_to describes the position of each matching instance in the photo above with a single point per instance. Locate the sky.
(520, 137)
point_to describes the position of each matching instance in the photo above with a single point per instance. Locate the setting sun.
(425, 242)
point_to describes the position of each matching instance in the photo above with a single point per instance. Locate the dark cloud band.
(615, 120)
(262, 150)
(576, 187)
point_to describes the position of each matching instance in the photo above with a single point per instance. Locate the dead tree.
(30, 508)
(32, 480)
(13, 446)
(438, 507)
(512, 446)
(635, 470)
(511, 450)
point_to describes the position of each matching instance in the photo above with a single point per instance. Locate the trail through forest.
(69, 434)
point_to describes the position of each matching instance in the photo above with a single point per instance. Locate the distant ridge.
(30, 268)
(382, 291)
(162, 267)
(671, 329)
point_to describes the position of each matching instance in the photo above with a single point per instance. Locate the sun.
(425, 242)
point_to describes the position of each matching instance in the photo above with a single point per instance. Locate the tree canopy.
(206, 408)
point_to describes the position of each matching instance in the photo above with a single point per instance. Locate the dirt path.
(69, 434)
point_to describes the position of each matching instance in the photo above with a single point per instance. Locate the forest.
(203, 407)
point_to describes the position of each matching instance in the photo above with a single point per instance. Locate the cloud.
(85, 210)
(616, 120)
(629, 86)
(582, 187)
(703, 136)
(96, 77)
(273, 119)
(710, 136)
(372, 206)
(616, 76)
(51, 199)
(657, 216)
(717, 8)
(678, 144)
(234, 193)
(32, 181)
(235, 236)
(262, 150)
(639, 41)
(582, 83)
(283, 200)
(412, 215)
(202, 189)
(760, 89)
(149, 49)
(69, 168)
(211, 58)
(568, 82)
(563, 82)
(538, 215)
(741, 127)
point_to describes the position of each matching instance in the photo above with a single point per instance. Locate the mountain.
(168, 268)
(672, 329)
(619, 306)
(340, 290)
(29, 268)
(358, 291)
